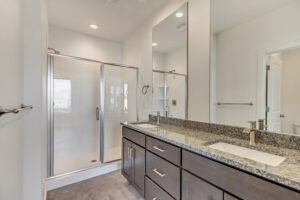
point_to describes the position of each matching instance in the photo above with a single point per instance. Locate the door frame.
(262, 73)
(50, 111)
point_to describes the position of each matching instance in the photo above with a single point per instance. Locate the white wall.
(11, 87)
(237, 59)
(83, 45)
(22, 74)
(199, 60)
(35, 121)
(138, 51)
(290, 89)
(176, 59)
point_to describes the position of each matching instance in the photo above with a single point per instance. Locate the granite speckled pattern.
(197, 141)
(265, 137)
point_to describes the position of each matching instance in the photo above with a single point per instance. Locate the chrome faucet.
(158, 117)
(251, 132)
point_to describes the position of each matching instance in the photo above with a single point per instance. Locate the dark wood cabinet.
(193, 188)
(164, 150)
(239, 183)
(133, 164)
(229, 197)
(134, 136)
(153, 191)
(163, 171)
(126, 160)
(138, 168)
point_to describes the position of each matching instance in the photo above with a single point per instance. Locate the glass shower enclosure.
(170, 94)
(87, 100)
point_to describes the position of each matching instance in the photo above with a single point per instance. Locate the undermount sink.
(147, 126)
(258, 156)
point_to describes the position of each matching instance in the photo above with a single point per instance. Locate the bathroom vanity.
(178, 160)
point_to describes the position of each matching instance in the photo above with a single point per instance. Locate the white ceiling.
(229, 13)
(167, 34)
(116, 18)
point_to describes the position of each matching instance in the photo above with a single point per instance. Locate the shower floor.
(64, 165)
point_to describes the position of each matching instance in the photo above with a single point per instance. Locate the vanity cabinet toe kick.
(162, 171)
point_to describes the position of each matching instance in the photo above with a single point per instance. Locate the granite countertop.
(287, 173)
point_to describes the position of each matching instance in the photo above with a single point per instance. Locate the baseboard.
(60, 181)
(45, 189)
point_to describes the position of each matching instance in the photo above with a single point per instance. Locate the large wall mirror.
(255, 64)
(169, 51)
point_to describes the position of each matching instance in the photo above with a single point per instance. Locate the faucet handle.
(252, 125)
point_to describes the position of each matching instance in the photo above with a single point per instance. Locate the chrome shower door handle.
(97, 113)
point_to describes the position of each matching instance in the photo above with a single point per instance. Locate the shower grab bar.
(235, 104)
(22, 107)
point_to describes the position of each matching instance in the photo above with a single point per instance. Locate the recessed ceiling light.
(179, 14)
(154, 44)
(93, 26)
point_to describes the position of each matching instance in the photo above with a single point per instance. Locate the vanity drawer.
(134, 136)
(241, 184)
(155, 192)
(164, 174)
(167, 151)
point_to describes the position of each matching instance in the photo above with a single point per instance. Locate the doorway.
(282, 91)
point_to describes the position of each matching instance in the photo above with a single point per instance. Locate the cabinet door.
(194, 188)
(138, 168)
(126, 160)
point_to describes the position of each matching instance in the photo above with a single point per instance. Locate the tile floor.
(112, 186)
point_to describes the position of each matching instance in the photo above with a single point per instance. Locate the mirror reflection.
(255, 64)
(169, 42)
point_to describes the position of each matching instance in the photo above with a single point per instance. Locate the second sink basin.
(258, 156)
(146, 125)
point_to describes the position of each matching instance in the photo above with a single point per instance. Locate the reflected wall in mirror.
(255, 64)
(169, 41)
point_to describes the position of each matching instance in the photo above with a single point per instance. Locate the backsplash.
(264, 137)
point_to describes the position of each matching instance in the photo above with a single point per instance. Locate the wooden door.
(274, 82)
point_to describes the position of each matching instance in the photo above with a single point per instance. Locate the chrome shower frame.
(50, 114)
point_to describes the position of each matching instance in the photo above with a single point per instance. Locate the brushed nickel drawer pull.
(128, 153)
(159, 173)
(158, 149)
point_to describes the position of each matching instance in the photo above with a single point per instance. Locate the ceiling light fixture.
(179, 14)
(94, 26)
(154, 44)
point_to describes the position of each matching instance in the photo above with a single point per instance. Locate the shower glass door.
(76, 120)
(120, 104)
(176, 95)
